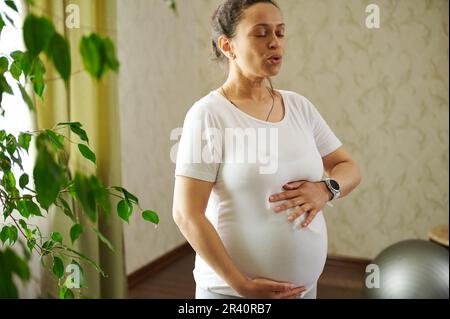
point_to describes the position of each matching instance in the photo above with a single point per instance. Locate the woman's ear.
(225, 46)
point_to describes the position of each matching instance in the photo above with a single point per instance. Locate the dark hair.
(225, 20)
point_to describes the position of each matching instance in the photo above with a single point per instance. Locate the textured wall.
(383, 91)
(158, 81)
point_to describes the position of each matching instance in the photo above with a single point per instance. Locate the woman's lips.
(275, 60)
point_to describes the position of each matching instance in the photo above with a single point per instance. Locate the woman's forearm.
(202, 236)
(347, 174)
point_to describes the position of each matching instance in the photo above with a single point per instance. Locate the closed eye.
(280, 35)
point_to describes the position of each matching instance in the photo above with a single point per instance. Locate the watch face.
(334, 184)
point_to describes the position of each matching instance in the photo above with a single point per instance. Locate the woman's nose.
(274, 42)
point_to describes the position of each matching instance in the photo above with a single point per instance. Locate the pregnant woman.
(250, 185)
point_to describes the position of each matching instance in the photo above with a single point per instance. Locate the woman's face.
(259, 42)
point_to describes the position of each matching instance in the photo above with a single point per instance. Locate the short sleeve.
(326, 141)
(199, 151)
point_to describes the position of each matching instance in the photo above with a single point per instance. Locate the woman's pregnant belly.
(277, 249)
(261, 242)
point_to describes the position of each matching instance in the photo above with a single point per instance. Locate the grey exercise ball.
(410, 269)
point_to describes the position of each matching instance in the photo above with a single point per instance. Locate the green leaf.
(37, 33)
(47, 247)
(150, 216)
(23, 224)
(66, 293)
(60, 52)
(62, 292)
(4, 86)
(48, 176)
(87, 153)
(26, 97)
(110, 54)
(3, 64)
(85, 196)
(39, 87)
(13, 235)
(90, 50)
(124, 209)
(37, 73)
(80, 132)
(11, 144)
(57, 237)
(101, 194)
(33, 208)
(66, 208)
(26, 60)
(8, 210)
(128, 196)
(24, 140)
(4, 234)
(12, 5)
(70, 124)
(9, 180)
(31, 243)
(17, 55)
(25, 251)
(103, 239)
(75, 232)
(11, 263)
(20, 267)
(5, 162)
(2, 24)
(172, 4)
(75, 127)
(54, 139)
(2, 135)
(90, 261)
(58, 267)
(9, 19)
(7, 285)
(16, 70)
(23, 180)
(23, 209)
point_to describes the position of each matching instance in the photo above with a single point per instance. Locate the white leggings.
(201, 293)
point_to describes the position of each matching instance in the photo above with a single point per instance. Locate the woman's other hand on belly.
(304, 196)
(263, 288)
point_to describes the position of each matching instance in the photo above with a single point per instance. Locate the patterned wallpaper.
(383, 91)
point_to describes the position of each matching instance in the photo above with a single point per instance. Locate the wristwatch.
(333, 187)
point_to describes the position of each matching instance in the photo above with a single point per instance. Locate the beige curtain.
(95, 105)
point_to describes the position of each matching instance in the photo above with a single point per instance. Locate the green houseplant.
(54, 183)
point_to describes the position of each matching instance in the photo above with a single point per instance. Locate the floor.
(340, 280)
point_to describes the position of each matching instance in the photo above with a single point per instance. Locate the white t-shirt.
(250, 159)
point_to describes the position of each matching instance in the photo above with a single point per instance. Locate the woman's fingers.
(281, 286)
(283, 196)
(298, 201)
(289, 294)
(299, 211)
(309, 218)
(293, 185)
(267, 288)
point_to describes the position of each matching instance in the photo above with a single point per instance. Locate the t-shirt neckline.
(235, 109)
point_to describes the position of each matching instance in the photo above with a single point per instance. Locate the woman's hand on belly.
(263, 288)
(306, 197)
